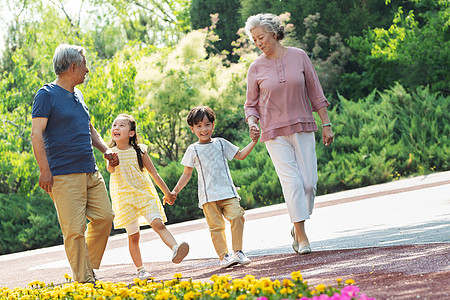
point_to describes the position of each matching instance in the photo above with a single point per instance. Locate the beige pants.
(234, 213)
(77, 197)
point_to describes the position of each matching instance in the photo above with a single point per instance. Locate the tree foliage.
(152, 22)
(414, 50)
(226, 27)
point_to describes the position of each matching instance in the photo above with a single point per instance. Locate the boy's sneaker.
(228, 261)
(143, 274)
(179, 252)
(242, 258)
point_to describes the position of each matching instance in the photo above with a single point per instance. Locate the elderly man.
(62, 137)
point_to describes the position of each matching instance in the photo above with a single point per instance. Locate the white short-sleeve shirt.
(210, 161)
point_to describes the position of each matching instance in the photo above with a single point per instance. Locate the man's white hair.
(65, 55)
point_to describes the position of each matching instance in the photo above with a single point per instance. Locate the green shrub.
(27, 223)
(384, 136)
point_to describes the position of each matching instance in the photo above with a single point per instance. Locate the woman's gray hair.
(269, 22)
(65, 55)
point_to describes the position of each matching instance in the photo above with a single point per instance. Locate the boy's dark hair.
(133, 141)
(198, 113)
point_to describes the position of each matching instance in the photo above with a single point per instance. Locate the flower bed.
(222, 287)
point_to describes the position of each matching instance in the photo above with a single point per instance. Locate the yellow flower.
(33, 283)
(276, 283)
(123, 292)
(321, 288)
(287, 283)
(269, 290)
(296, 275)
(189, 295)
(350, 281)
(286, 290)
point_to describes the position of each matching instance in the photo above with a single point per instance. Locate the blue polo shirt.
(67, 137)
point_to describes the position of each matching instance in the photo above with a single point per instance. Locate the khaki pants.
(234, 213)
(77, 197)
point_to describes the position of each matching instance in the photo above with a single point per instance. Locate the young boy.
(217, 194)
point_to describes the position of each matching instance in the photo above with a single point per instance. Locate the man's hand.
(112, 157)
(46, 181)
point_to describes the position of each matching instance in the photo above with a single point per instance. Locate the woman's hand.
(327, 135)
(253, 130)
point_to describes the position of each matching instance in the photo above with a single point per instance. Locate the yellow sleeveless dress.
(133, 194)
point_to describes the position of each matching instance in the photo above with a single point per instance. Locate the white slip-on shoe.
(179, 252)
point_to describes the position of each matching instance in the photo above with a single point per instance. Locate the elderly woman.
(282, 92)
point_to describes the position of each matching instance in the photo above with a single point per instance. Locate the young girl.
(133, 194)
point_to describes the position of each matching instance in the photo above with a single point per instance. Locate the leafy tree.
(226, 27)
(347, 17)
(413, 51)
(151, 22)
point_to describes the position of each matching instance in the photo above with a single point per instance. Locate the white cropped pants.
(294, 158)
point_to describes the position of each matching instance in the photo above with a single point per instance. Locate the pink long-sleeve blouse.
(283, 93)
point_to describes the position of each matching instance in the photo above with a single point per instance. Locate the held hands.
(170, 198)
(254, 132)
(112, 157)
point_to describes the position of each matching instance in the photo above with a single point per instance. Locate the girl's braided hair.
(133, 141)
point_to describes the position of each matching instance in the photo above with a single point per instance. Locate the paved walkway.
(353, 233)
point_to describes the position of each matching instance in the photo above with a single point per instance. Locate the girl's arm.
(109, 167)
(158, 180)
(242, 154)
(184, 179)
(100, 144)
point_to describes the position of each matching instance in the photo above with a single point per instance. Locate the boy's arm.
(242, 154)
(184, 179)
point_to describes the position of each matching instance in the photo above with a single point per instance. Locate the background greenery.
(383, 66)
